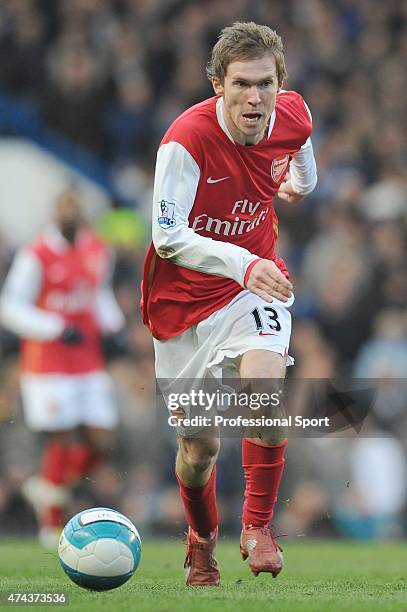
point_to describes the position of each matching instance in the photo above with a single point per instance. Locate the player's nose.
(254, 96)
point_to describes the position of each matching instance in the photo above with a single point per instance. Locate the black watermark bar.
(297, 408)
(32, 598)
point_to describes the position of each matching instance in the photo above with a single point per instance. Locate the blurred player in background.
(215, 293)
(57, 300)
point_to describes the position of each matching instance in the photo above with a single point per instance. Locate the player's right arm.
(18, 311)
(176, 182)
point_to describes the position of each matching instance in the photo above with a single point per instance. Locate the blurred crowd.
(111, 75)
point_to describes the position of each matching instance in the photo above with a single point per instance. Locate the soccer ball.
(99, 549)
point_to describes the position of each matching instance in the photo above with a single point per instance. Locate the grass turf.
(319, 576)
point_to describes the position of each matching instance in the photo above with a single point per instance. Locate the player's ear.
(217, 86)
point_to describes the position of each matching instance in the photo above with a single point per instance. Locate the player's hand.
(268, 282)
(287, 193)
(72, 335)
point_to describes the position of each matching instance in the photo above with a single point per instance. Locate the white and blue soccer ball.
(99, 549)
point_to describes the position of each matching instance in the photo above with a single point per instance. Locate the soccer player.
(56, 298)
(215, 293)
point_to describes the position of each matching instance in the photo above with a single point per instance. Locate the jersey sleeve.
(303, 170)
(176, 183)
(18, 311)
(107, 311)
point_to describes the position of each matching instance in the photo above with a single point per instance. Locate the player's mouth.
(252, 118)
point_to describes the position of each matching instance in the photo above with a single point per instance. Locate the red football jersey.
(71, 277)
(233, 203)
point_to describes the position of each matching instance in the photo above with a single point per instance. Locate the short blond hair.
(245, 41)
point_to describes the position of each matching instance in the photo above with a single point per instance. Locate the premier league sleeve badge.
(167, 210)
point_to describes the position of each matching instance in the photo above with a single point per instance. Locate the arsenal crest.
(278, 167)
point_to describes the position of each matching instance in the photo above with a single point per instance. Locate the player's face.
(249, 95)
(68, 215)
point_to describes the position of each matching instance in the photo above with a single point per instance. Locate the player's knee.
(199, 454)
(62, 437)
(269, 438)
(99, 440)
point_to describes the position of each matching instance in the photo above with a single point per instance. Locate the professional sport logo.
(167, 209)
(278, 167)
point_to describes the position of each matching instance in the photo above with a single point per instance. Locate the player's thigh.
(49, 402)
(99, 438)
(98, 406)
(261, 374)
(259, 364)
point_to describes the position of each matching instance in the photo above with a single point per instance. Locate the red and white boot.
(258, 545)
(201, 567)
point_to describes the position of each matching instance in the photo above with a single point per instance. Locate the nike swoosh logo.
(210, 180)
(262, 333)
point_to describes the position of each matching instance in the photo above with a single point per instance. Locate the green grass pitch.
(318, 576)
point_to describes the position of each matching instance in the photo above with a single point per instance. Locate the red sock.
(54, 462)
(52, 469)
(54, 517)
(81, 460)
(263, 468)
(200, 505)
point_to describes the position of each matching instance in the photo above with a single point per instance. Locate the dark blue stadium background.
(96, 83)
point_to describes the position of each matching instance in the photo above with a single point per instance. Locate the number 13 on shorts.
(266, 320)
(271, 325)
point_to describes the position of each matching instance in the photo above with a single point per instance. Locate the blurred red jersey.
(232, 188)
(70, 279)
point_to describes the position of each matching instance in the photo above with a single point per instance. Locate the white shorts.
(60, 402)
(212, 349)
(215, 345)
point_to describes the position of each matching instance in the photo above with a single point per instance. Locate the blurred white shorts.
(214, 346)
(59, 402)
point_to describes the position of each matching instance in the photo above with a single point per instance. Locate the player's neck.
(249, 141)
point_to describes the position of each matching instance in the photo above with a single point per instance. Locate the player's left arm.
(107, 311)
(301, 179)
(302, 176)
